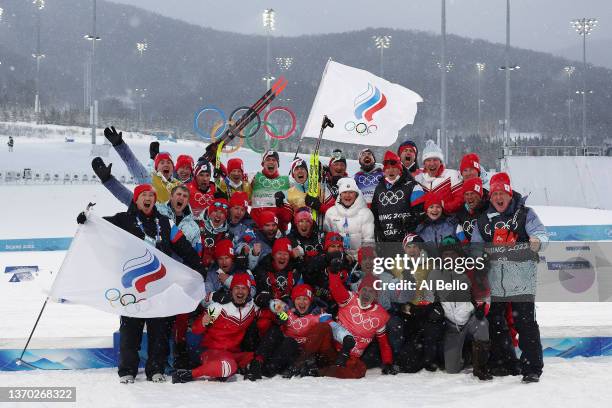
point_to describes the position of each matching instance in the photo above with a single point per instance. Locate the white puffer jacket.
(355, 224)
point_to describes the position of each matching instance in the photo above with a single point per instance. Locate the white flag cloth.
(114, 271)
(365, 109)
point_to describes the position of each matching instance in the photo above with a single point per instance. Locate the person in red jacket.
(201, 189)
(363, 319)
(223, 327)
(299, 331)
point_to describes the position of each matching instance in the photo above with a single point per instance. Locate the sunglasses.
(390, 162)
(337, 155)
(220, 205)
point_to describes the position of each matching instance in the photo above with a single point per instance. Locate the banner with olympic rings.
(111, 270)
(277, 123)
(368, 109)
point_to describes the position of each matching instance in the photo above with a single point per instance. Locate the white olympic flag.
(365, 109)
(114, 271)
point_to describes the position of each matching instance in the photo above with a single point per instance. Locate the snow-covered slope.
(571, 181)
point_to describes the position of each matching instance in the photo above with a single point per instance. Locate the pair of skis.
(234, 129)
(314, 172)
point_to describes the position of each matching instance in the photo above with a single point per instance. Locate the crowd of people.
(289, 276)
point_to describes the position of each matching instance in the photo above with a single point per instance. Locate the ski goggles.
(220, 205)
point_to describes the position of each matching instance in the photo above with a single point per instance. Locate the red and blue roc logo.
(366, 105)
(139, 272)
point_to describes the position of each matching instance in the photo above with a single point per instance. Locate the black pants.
(502, 350)
(278, 351)
(158, 335)
(423, 341)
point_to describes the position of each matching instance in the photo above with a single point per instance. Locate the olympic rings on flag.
(127, 301)
(360, 127)
(274, 140)
(291, 129)
(202, 132)
(112, 295)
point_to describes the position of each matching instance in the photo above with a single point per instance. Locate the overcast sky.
(542, 25)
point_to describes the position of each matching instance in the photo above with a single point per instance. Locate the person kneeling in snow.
(224, 327)
(359, 320)
(299, 333)
(464, 317)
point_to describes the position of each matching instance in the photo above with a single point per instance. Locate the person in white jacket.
(350, 217)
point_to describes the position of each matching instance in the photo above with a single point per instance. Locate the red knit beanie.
(224, 248)
(218, 204)
(239, 199)
(302, 289)
(433, 198)
(501, 182)
(390, 158)
(470, 160)
(141, 189)
(266, 217)
(332, 237)
(367, 281)
(183, 160)
(473, 184)
(282, 245)
(241, 279)
(367, 252)
(161, 156)
(235, 164)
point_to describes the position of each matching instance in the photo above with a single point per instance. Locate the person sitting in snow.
(223, 327)
(360, 320)
(299, 334)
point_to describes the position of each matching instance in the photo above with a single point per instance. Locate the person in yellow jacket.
(162, 177)
(299, 186)
(236, 179)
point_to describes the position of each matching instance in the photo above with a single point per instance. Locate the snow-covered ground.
(579, 382)
(35, 211)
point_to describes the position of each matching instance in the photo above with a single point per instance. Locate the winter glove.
(81, 218)
(153, 150)
(437, 313)
(322, 293)
(312, 202)
(336, 261)
(221, 296)
(254, 371)
(102, 171)
(390, 369)
(262, 300)
(242, 261)
(115, 138)
(409, 223)
(279, 198)
(218, 173)
(479, 313)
